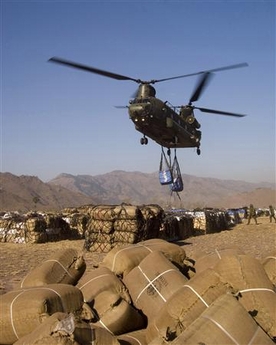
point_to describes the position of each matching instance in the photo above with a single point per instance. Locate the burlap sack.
(66, 267)
(256, 292)
(24, 309)
(99, 280)
(123, 259)
(89, 334)
(55, 330)
(269, 264)
(133, 338)
(105, 226)
(211, 259)
(185, 305)
(153, 282)
(224, 322)
(116, 315)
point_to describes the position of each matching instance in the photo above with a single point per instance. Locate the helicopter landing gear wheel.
(144, 141)
(198, 151)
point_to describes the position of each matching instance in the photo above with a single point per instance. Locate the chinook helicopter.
(169, 126)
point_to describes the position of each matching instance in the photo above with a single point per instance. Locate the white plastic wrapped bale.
(224, 322)
(24, 309)
(123, 259)
(186, 305)
(153, 282)
(66, 267)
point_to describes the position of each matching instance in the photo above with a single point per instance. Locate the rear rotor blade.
(202, 84)
(219, 112)
(91, 69)
(243, 64)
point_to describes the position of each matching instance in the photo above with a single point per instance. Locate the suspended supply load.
(177, 182)
(165, 171)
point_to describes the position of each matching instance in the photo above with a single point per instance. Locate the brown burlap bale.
(211, 259)
(126, 237)
(153, 282)
(224, 322)
(55, 330)
(99, 280)
(127, 211)
(185, 305)
(116, 315)
(89, 334)
(133, 338)
(256, 292)
(130, 225)
(24, 309)
(66, 267)
(103, 212)
(105, 226)
(269, 264)
(123, 259)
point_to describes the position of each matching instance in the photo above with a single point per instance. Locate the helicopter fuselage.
(162, 123)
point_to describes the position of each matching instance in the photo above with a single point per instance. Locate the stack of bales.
(12, 230)
(177, 225)
(209, 221)
(56, 227)
(77, 218)
(112, 226)
(36, 230)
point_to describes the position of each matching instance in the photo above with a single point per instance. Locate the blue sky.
(56, 119)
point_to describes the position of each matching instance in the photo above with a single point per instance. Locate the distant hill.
(141, 188)
(18, 192)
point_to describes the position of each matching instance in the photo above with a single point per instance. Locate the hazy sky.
(56, 119)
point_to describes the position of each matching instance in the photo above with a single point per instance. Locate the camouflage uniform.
(271, 214)
(252, 214)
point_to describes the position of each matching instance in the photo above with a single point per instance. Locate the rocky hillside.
(29, 192)
(24, 193)
(140, 188)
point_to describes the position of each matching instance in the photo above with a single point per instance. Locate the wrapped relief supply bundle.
(115, 314)
(254, 289)
(123, 259)
(66, 267)
(153, 282)
(24, 309)
(269, 264)
(66, 329)
(186, 305)
(99, 280)
(224, 322)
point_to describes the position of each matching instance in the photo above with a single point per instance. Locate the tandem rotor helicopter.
(169, 126)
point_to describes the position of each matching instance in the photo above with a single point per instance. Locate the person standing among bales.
(271, 214)
(252, 214)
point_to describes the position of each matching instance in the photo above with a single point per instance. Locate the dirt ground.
(18, 259)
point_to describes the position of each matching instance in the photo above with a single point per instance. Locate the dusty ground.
(18, 259)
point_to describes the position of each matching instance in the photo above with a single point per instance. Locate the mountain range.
(24, 193)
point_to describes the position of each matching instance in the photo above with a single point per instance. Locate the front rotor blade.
(244, 64)
(202, 84)
(91, 69)
(213, 111)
